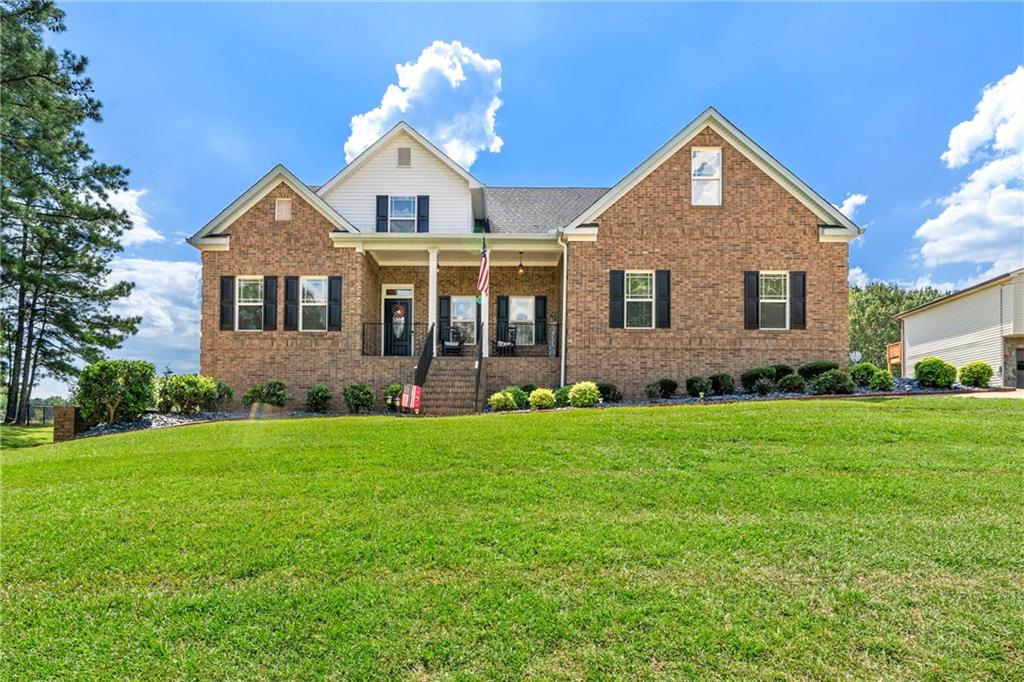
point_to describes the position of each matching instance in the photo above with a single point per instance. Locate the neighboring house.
(708, 257)
(983, 322)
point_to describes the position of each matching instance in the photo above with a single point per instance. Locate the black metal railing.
(526, 339)
(384, 338)
(426, 356)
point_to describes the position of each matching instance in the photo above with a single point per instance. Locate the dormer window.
(402, 217)
(283, 209)
(404, 157)
(706, 176)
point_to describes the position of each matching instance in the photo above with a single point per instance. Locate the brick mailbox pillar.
(65, 418)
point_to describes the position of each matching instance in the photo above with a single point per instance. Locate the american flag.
(483, 280)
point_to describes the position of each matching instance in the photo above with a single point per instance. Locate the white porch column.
(432, 294)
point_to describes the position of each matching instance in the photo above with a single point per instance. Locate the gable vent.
(404, 157)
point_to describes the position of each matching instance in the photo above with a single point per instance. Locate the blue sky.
(201, 100)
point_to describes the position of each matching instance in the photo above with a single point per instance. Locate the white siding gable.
(451, 208)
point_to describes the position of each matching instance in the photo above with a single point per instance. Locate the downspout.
(565, 298)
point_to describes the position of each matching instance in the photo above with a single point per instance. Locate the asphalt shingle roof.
(536, 210)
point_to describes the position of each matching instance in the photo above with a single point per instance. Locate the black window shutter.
(334, 304)
(616, 299)
(798, 300)
(423, 214)
(751, 300)
(540, 319)
(269, 303)
(501, 331)
(663, 299)
(382, 212)
(227, 303)
(444, 315)
(291, 304)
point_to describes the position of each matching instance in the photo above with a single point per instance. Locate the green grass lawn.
(24, 436)
(878, 539)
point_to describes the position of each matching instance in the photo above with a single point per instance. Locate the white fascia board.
(406, 242)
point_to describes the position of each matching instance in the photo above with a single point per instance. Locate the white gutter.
(565, 298)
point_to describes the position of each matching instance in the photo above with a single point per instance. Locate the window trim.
(453, 320)
(238, 300)
(277, 209)
(761, 299)
(626, 300)
(327, 296)
(694, 178)
(415, 212)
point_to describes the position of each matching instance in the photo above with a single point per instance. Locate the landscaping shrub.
(722, 384)
(763, 386)
(751, 376)
(271, 393)
(358, 397)
(833, 382)
(668, 387)
(116, 390)
(792, 383)
(562, 396)
(393, 396)
(318, 398)
(542, 398)
(584, 394)
(977, 373)
(528, 388)
(224, 397)
(881, 381)
(816, 368)
(862, 372)
(934, 372)
(187, 392)
(501, 401)
(653, 391)
(782, 370)
(521, 397)
(697, 385)
(610, 393)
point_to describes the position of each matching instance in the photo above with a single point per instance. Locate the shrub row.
(582, 394)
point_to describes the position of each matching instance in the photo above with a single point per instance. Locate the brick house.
(710, 256)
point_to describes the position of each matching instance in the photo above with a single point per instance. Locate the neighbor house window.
(774, 300)
(249, 297)
(706, 176)
(313, 316)
(402, 217)
(283, 209)
(520, 317)
(639, 300)
(404, 157)
(464, 317)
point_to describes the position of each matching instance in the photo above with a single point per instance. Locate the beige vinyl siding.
(963, 329)
(1018, 304)
(451, 209)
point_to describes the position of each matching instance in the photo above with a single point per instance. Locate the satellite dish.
(855, 356)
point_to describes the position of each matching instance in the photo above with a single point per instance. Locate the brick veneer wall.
(503, 371)
(759, 226)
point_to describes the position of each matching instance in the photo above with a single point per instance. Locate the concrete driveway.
(1018, 394)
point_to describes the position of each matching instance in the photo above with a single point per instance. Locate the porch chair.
(452, 342)
(504, 342)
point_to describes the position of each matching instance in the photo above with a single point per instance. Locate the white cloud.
(851, 203)
(857, 277)
(982, 221)
(141, 231)
(450, 94)
(166, 296)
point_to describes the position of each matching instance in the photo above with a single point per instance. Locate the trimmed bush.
(502, 402)
(542, 399)
(393, 396)
(833, 382)
(562, 396)
(521, 397)
(271, 393)
(934, 372)
(668, 387)
(653, 391)
(610, 393)
(881, 381)
(528, 388)
(318, 398)
(358, 397)
(584, 394)
(751, 376)
(722, 384)
(116, 390)
(225, 395)
(977, 373)
(188, 392)
(763, 386)
(782, 370)
(862, 372)
(792, 383)
(697, 385)
(816, 368)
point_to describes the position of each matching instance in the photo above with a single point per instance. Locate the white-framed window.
(313, 304)
(706, 176)
(405, 157)
(248, 304)
(402, 214)
(464, 317)
(773, 306)
(639, 300)
(521, 310)
(283, 209)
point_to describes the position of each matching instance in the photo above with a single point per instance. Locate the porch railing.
(379, 339)
(526, 339)
(426, 356)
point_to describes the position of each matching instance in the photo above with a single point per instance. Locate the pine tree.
(872, 310)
